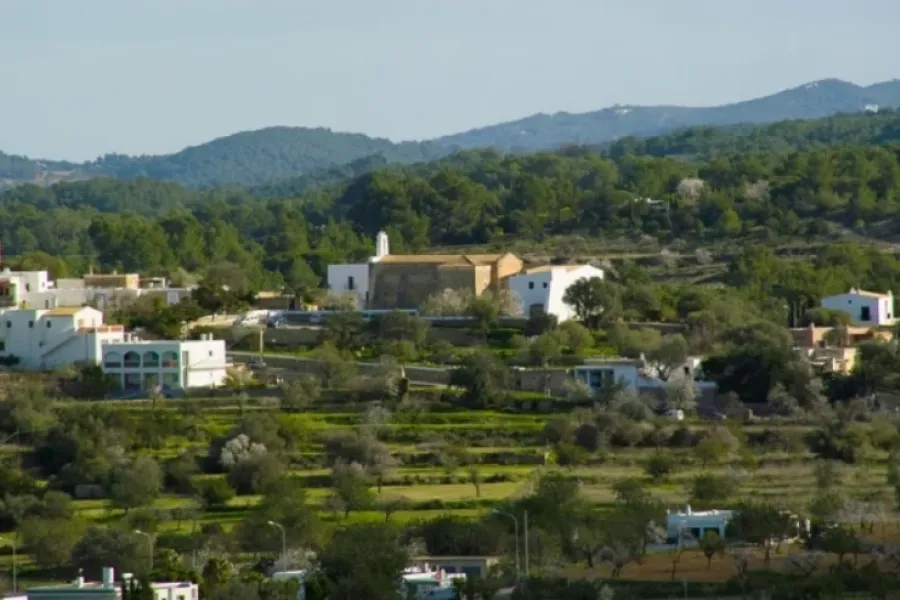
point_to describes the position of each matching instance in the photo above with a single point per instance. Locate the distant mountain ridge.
(810, 101)
(255, 158)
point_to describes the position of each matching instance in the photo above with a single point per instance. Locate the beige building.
(406, 281)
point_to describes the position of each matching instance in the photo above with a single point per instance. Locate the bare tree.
(690, 188)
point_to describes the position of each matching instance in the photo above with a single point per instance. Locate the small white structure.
(635, 374)
(541, 289)
(145, 365)
(865, 308)
(352, 280)
(50, 339)
(690, 525)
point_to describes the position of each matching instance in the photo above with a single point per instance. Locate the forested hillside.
(317, 156)
(472, 198)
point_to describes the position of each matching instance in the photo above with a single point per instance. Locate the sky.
(82, 78)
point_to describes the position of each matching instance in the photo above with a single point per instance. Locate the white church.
(352, 280)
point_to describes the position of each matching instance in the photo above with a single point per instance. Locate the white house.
(138, 364)
(694, 524)
(16, 287)
(864, 308)
(352, 280)
(541, 289)
(635, 374)
(50, 339)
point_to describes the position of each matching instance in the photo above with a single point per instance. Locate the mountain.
(544, 132)
(319, 155)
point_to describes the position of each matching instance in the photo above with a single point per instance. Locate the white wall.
(881, 309)
(547, 288)
(42, 340)
(196, 363)
(339, 280)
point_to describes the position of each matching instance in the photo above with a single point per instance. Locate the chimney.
(109, 577)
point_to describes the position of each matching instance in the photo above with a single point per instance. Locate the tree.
(345, 330)
(103, 547)
(547, 347)
(351, 487)
(759, 524)
(214, 493)
(285, 503)
(137, 484)
(255, 473)
(593, 300)
(300, 393)
(448, 303)
(51, 541)
(671, 354)
(711, 544)
(481, 377)
(682, 394)
(363, 561)
(659, 466)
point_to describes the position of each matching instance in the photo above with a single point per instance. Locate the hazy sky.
(80, 78)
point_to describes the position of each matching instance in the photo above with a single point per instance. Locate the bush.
(659, 467)
(215, 493)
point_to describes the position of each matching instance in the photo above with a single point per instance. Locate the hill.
(321, 156)
(810, 101)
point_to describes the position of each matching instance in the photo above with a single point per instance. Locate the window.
(27, 287)
(2, 346)
(545, 285)
(210, 353)
(865, 314)
(49, 323)
(9, 324)
(112, 360)
(530, 285)
(351, 284)
(170, 359)
(132, 361)
(31, 324)
(151, 359)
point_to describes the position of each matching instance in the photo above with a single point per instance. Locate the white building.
(34, 289)
(691, 525)
(17, 286)
(352, 280)
(51, 339)
(864, 308)
(110, 589)
(541, 289)
(635, 374)
(138, 364)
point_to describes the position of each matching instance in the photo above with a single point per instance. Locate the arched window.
(170, 359)
(151, 359)
(132, 360)
(112, 360)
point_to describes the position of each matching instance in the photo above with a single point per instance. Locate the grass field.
(429, 490)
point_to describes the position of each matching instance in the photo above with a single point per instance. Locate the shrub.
(659, 466)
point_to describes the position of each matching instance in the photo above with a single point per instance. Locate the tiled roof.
(412, 259)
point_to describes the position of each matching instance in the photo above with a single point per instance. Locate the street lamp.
(283, 544)
(516, 522)
(15, 571)
(150, 542)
